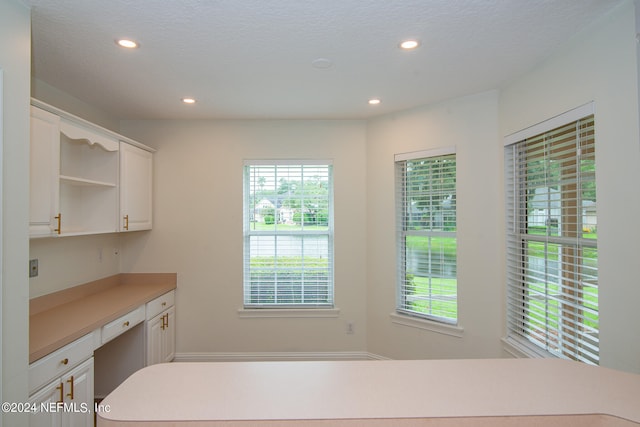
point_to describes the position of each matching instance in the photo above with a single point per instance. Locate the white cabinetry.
(161, 327)
(136, 175)
(44, 166)
(81, 183)
(66, 400)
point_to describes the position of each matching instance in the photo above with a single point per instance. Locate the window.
(552, 255)
(288, 234)
(426, 235)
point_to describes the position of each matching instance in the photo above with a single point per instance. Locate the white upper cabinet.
(81, 182)
(44, 166)
(136, 188)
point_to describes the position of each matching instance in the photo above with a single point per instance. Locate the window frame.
(565, 326)
(403, 286)
(248, 234)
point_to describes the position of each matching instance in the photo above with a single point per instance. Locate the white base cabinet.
(161, 338)
(161, 329)
(66, 401)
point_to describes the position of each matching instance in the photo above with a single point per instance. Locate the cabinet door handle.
(126, 222)
(59, 218)
(165, 321)
(70, 381)
(61, 388)
(125, 324)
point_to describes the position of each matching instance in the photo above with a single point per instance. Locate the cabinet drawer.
(122, 324)
(160, 304)
(57, 363)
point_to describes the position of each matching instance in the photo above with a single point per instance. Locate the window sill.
(291, 313)
(522, 350)
(428, 325)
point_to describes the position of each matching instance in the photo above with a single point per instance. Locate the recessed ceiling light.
(322, 63)
(189, 100)
(129, 44)
(374, 101)
(409, 44)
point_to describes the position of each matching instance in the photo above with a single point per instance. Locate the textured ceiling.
(253, 58)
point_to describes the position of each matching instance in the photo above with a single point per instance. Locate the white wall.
(471, 125)
(54, 96)
(71, 261)
(198, 229)
(600, 65)
(15, 48)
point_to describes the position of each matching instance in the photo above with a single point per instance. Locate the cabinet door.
(48, 397)
(44, 170)
(79, 396)
(154, 339)
(169, 336)
(161, 337)
(136, 175)
(67, 401)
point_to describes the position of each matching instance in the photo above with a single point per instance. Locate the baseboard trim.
(275, 356)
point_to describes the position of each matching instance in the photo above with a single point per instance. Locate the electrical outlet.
(33, 267)
(350, 328)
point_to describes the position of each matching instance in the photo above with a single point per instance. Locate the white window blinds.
(288, 234)
(426, 235)
(552, 255)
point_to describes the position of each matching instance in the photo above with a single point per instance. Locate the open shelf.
(72, 180)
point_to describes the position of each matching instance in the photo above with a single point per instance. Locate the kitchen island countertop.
(408, 393)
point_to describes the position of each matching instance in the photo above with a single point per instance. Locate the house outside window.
(288, 234)
(426, 235)
(552, 235)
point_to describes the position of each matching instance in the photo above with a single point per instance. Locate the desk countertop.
(60, 318)
(494, 392)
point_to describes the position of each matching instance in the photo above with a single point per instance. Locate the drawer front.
(122, 324)
(160, 304)
(54, 365)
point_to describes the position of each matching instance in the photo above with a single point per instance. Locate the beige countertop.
(60, 318)
(490, 392)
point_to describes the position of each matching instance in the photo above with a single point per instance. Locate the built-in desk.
(58, 319)
(505, 392)
(86, 340)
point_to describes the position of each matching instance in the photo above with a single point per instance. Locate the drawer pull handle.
(70, 381)
(61, 388)
(126, 324)
(126, 222)
(164, 304)
(65, 361)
